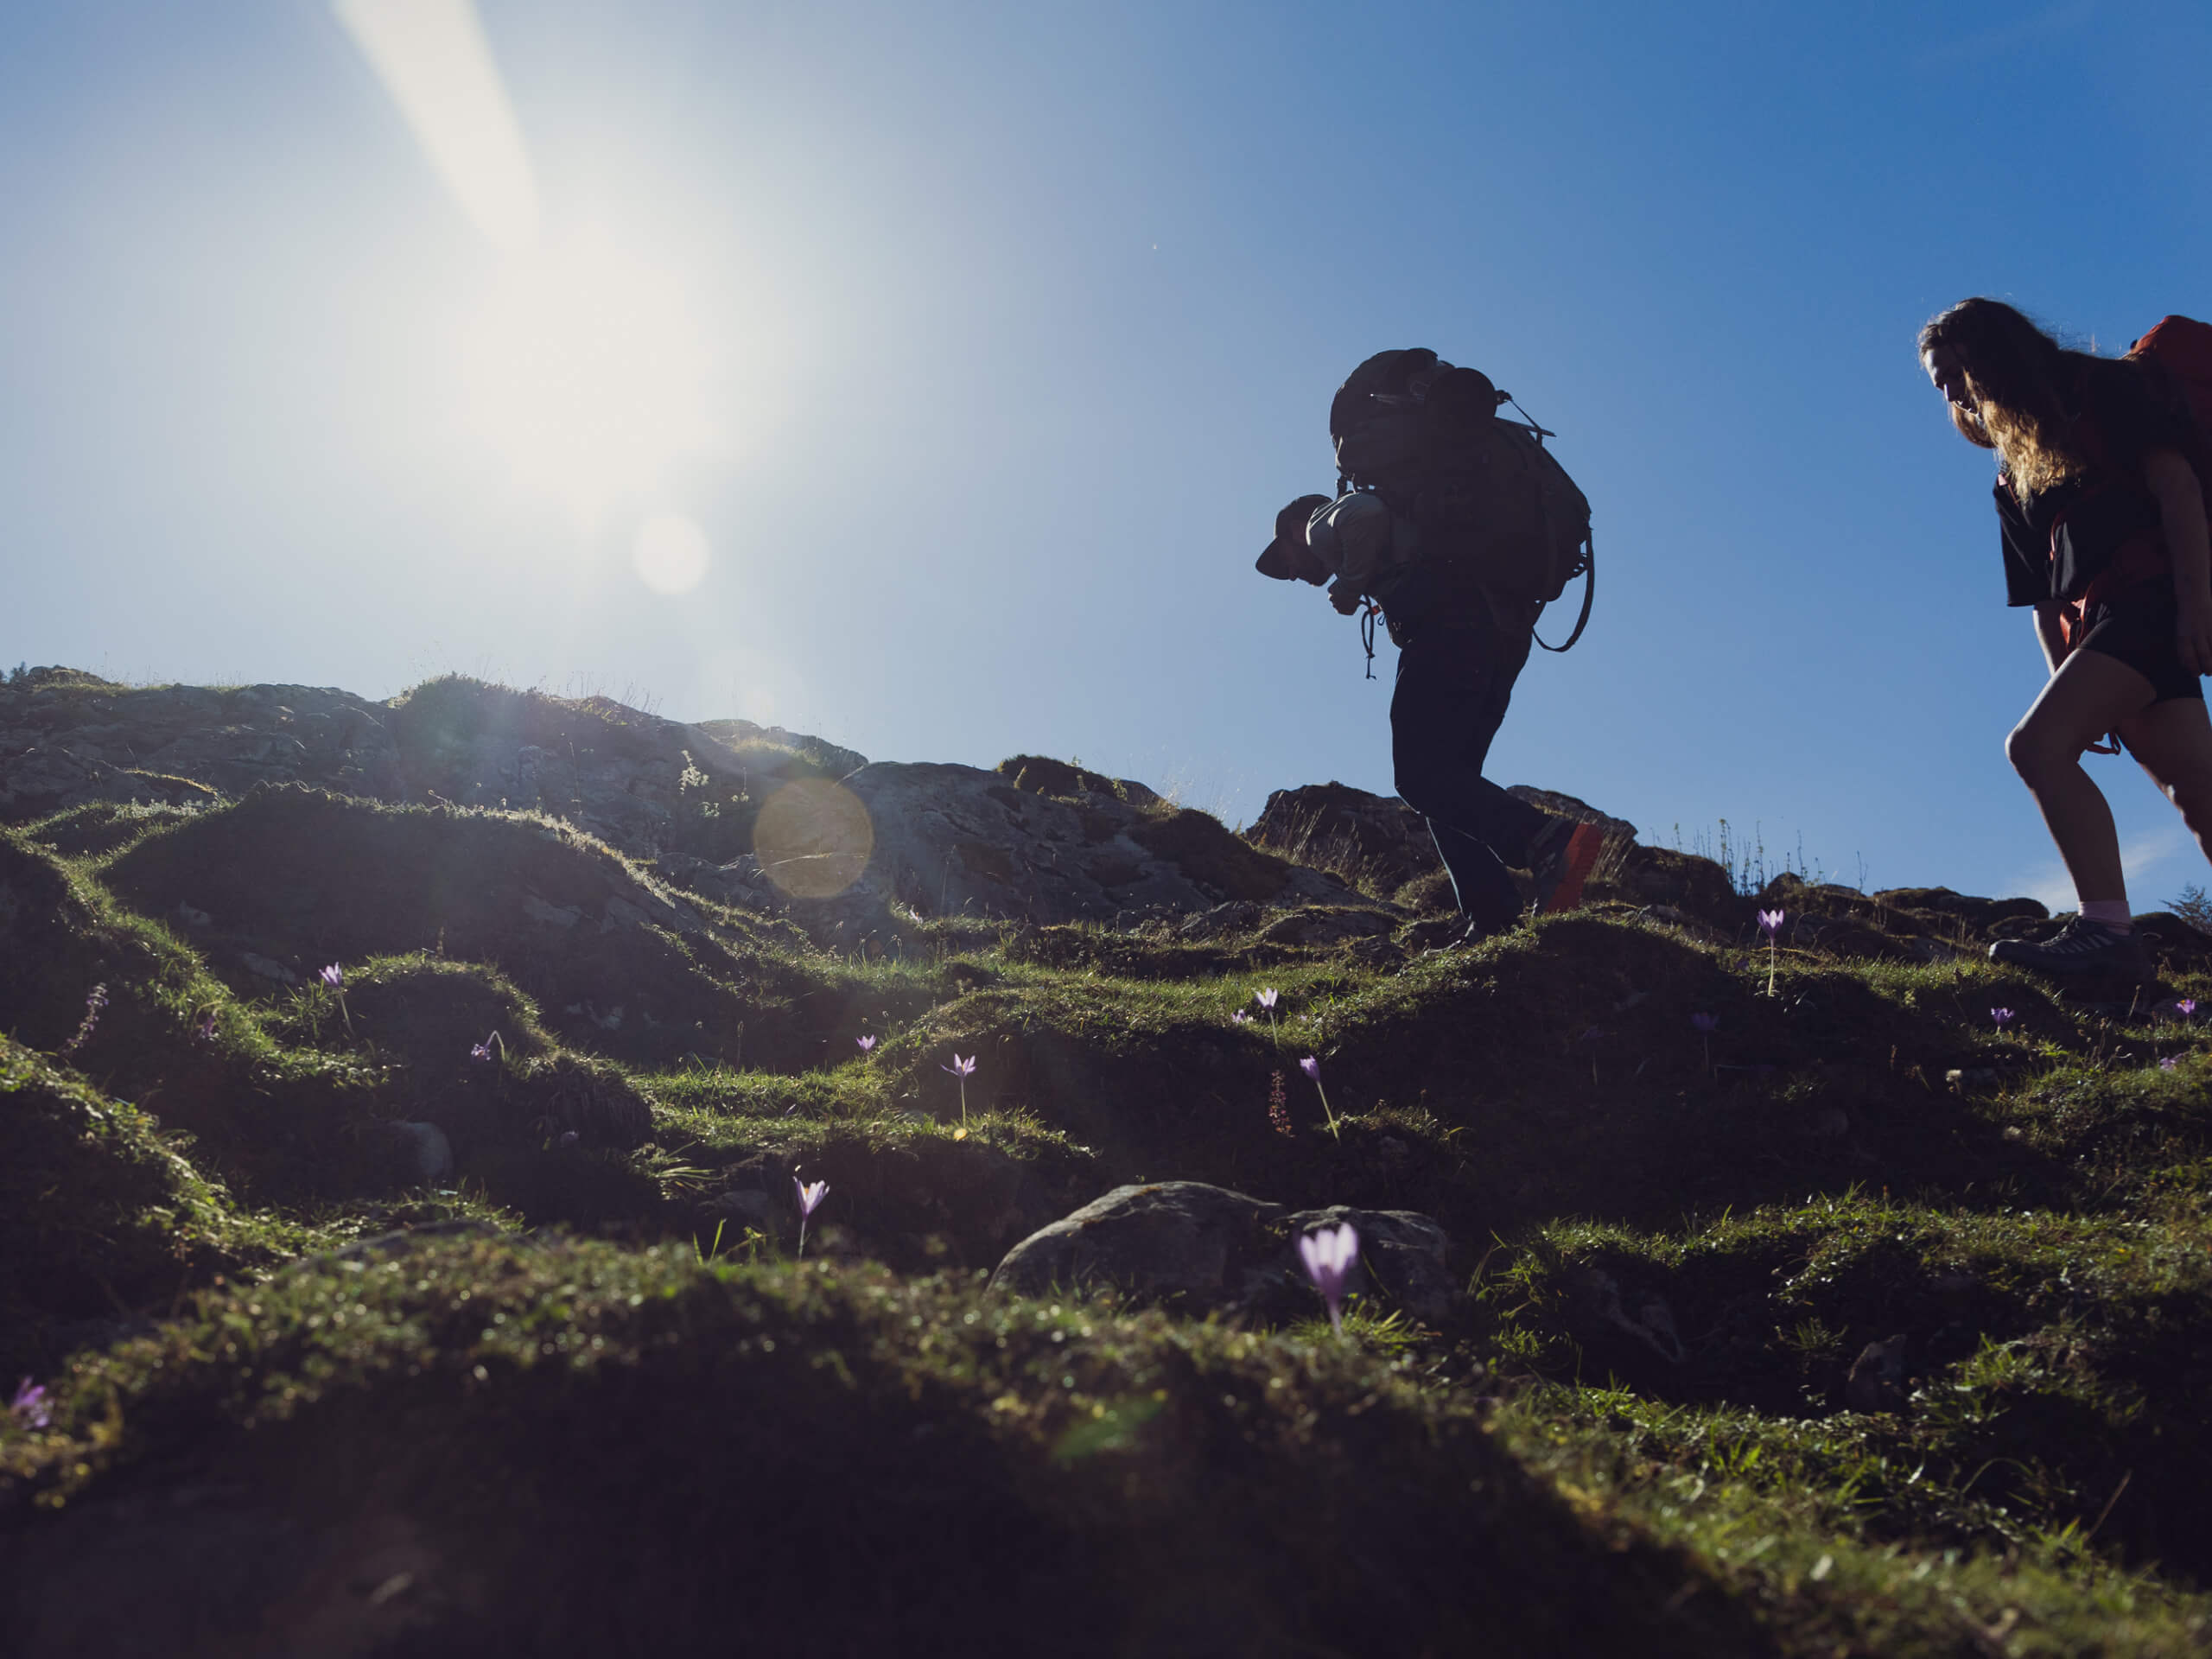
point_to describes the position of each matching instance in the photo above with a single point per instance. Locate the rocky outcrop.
(938, 840)
(1208, 1247)
(68, 739)
(644, 786)
(1377, 838)
(752, 817)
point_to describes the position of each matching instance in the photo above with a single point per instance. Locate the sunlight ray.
(434, 61)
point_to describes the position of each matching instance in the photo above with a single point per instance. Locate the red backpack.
(2176, 358)
(2178, 352)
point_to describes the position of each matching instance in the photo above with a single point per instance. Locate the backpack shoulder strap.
(1589, 594)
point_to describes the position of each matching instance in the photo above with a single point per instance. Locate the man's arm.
(2181, 506)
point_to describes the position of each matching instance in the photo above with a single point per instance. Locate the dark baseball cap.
(1287, 555)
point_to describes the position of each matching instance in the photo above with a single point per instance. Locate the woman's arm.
(2051, 631)
(2181, 506)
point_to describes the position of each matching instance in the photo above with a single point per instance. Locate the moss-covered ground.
(560, 1384)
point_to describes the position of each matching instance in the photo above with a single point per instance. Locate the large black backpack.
(1494, 512)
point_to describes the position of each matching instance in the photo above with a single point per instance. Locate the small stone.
(1876, 1381)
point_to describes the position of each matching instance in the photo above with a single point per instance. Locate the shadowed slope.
(573, 1448)
(299, 879)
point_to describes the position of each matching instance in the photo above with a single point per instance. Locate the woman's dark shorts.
(2138, 628)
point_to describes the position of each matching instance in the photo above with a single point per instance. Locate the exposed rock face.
(948, 840)
(1348, 829)
(1215, 1248)
(1897, 925)
(637, 782)
(1568, 806)
(749, 816)
(67, 739)
(1379, 838)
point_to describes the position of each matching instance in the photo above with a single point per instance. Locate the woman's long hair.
(2013, 371)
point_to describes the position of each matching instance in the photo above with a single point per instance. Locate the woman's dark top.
(2063, 539)
(2098, 513)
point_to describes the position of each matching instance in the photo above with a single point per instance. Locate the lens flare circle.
(670, 553)
(813, 838)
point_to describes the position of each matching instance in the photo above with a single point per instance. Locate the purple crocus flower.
(205, 1031)
(2002, 1016)
(334, 977)
(1771, 924)
(1312, 1068)
(481, 1052)
(811, 1194)
(1240, 1018)
(2185, 1007)
(962, 1070)
(865, 1043)
(2168, 1063)
(30, 1406)
(1707, 1023)
(1266, 999)
(1329, 1253)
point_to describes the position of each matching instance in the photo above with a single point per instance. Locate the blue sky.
(981, 344)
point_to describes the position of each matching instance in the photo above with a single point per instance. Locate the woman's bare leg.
(2091, 694)
(2172, 741)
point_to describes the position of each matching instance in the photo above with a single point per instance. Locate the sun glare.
(670, 553)
(585, 371)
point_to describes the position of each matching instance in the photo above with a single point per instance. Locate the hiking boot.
(2081, 949)
(1561, 859)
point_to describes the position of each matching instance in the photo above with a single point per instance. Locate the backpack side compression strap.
(1589, 593)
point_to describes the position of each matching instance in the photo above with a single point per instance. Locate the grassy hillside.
(566, 1388)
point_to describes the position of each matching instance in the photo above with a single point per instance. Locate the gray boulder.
(1378, 838)
(1213, 1247)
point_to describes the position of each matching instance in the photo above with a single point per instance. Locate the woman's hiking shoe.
(2081, 949)
(1561, 859)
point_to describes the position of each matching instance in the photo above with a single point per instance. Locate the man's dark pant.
(1453, 685)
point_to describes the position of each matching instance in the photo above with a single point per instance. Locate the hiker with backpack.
(2100, 498)
(1456, 526)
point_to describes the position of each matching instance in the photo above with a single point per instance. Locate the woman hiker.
(2103, 508)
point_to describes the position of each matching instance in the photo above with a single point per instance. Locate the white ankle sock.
(2112, 912)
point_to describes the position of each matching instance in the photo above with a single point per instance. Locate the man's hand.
(1344, 594)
